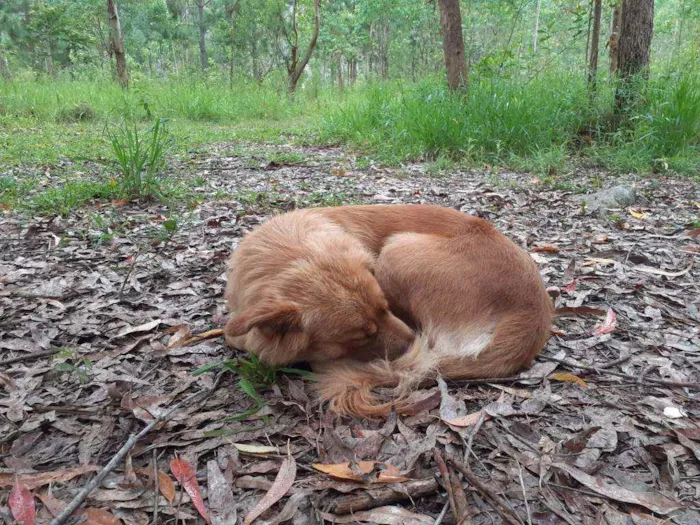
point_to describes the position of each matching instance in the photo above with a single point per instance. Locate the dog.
(385, 296)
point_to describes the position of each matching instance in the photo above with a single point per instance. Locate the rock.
(615, 197)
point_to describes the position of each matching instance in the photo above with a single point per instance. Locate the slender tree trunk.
(588, 31)
(614, 42)
(204, 62)
(232, 18)
(595, 38)
(340, 73)
(453, 45)
(535, 33)
(636, 32)
(116, 44)
(296, 68)
(4, 65)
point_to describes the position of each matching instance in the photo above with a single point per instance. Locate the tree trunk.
(636, 32)
(202, 36)
(4, 66)
(453, 45)
(614, 42)
(296, 68)
(595, 38)
(232, 18)
(340, 73)
(537, 26)
(116, 44)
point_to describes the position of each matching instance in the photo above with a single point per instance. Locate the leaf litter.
(102, 323)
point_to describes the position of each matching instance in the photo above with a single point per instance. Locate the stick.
(78, 500)
(446, 482)
(383, 496)
(210, 334)
(27, 357)
(681, 384)
(497, 502)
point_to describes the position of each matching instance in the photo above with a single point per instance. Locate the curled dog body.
(386, 295)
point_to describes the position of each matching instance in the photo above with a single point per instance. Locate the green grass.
(540, 125)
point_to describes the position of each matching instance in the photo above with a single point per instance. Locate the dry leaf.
(95, 516)
(345, 471)
(608, 325)
(561, 376)
(283, 482)
(389, 515)
(222, 505)
(21, 503)
(255, 449)
(653, 501)
(546, 248)
(33, 481)
(637, 215)
(186, 475)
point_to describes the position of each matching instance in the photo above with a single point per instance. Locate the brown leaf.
(546, 248)
(580, 310)
(21, 503)
(653, 501)
(345, 471)
(182, 334)
(577, 443)
(185, 474)
(54, 505)
(32, 481)
(283, 482)
(608, 325)
(97, 516)
(562, 376)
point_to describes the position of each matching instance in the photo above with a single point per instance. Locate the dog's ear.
(269, 316)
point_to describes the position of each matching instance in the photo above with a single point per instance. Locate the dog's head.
(322, 308)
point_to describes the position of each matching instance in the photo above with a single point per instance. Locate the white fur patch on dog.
(467, 342)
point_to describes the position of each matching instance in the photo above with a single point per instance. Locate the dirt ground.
(603, 429)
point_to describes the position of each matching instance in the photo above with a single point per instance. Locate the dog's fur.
(339, 287)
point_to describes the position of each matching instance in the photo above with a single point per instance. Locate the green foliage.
(63, 199)
(141, 159)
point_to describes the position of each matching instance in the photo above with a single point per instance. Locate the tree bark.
(232, 17)
(595, 38)
(537, 26)
(453, 45)
(202, 36)
(636, 32)
(116, 45)
(614, 42)
(296, 67)
(4, 65)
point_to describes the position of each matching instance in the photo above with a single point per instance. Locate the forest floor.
(95, 304)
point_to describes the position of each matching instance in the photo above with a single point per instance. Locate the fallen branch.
(598, 370)
(383, 496)
(78, 500)
(27, 357)
(497, 502)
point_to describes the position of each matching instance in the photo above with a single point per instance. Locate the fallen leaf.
(608, 325)
(688, 443)
(580, 310)
(283, 482)
(545, 248)
(222, 504)
(255, 449)
(562, 376)
(388, 515)
(32, 481)
(637, 215)
(692, 234)
(674, 412)
(54, 505)
(657, 271)
(185, 474)
(653, 501)
(345, 471)
(577, 443)
(182, 334)
(95, 516)
(21, 503)
(145, 327)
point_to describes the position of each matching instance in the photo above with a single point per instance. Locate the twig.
(617, 361)
(384, 496)
(522, 485)
(210, 334)
(78, 500)
(128, 274)
(27, 357)
(446, 482)
(156, 490)
(497, 502)
(679, 384)
(441, 516)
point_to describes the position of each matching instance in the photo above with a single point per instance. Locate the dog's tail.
(348, 385)
(481, 350)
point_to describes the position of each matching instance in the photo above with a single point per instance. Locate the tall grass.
(505, 119)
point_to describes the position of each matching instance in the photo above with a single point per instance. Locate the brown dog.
(340, 286)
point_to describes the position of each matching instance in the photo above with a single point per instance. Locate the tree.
(614, 42)
(116, 45)
(537, 26)
(296, 66)
(453, 44)
(232, 11)
(636, 31)
(595, 38)
(202, 27)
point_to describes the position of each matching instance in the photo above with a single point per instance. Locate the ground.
(96, 302)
